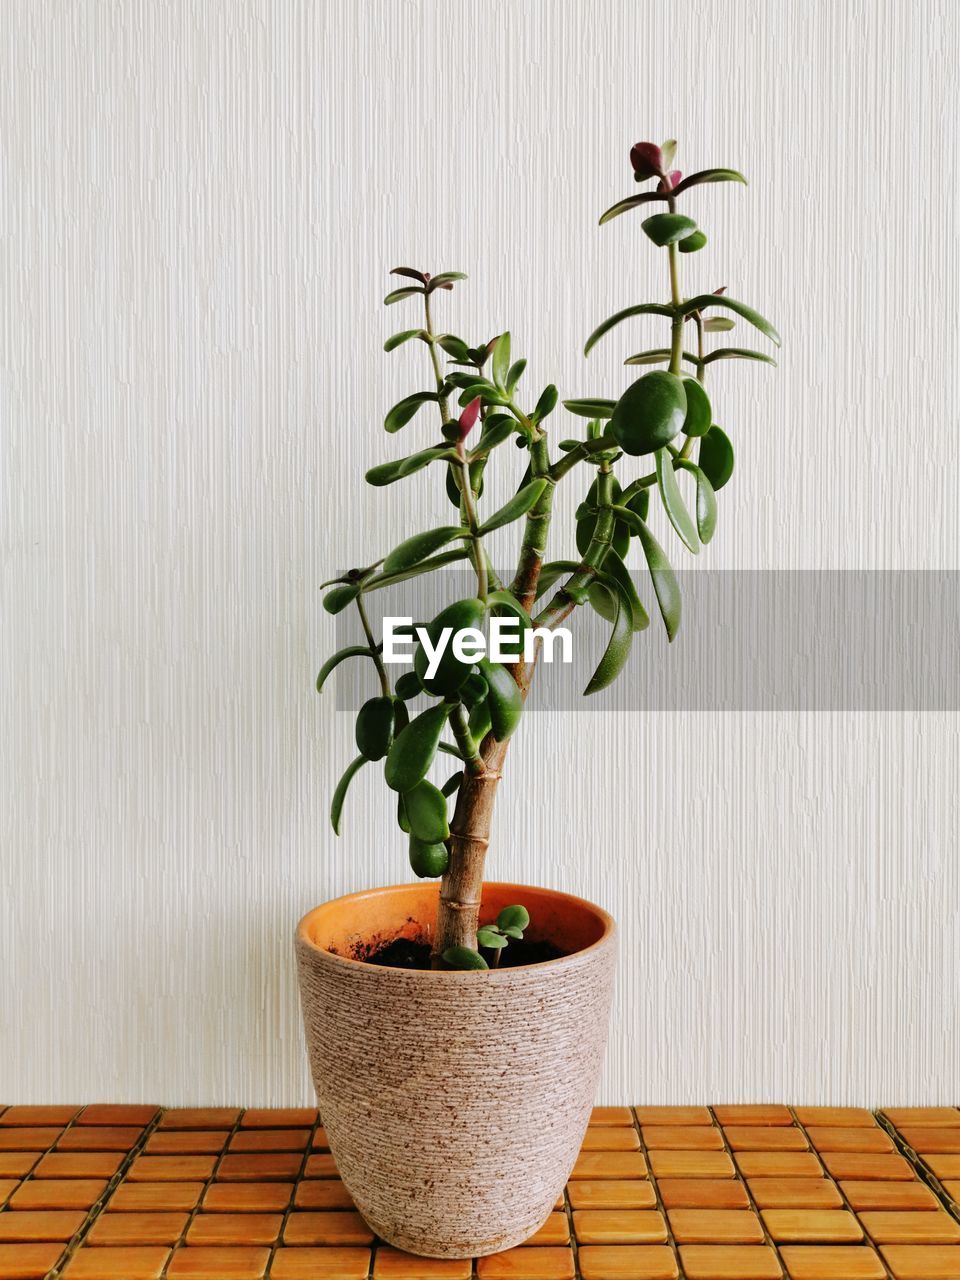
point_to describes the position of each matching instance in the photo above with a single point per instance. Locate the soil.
(407, 953)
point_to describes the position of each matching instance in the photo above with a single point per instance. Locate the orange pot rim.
(609, 929)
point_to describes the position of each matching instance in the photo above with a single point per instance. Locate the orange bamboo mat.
(658, 1193)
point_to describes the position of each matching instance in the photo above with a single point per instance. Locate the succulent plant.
(472, 704)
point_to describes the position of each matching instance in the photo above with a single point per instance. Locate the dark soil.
(406, 953)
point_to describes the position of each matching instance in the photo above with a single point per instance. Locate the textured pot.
(455, 1102)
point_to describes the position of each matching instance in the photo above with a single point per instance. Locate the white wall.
(200, 202)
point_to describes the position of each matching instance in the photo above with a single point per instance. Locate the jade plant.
(464, 704)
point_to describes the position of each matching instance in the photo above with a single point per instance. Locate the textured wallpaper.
(198, 208)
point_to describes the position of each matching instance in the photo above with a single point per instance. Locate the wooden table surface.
(109, 1192)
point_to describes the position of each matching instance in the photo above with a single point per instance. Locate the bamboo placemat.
(658, 1193)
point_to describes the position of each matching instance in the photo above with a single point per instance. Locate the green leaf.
(426, 807)
(515, 917)
(664, 582)
(504, 602)
(617, 573)
(489, 440)
(513, 933)
(699, 413)
(479, 721)
(488, 937)
(454, 479)
(338, 599)
(402, 822)
(693, 243)
(673, 502)
(504, 699)
(453, 783)
(408, 686)
(592, 408)
(518, 506)
(389, 472)
(352, 651)
(514, 374)
(603, 600)
(706, 501)
(404, 409)
(664, 579)
(738, 353)
(467, 378)
(464, 958)
(396, 295)
(413, 749)
(547, 402)
(374, 730)
(642, 309)
(668, 228)
(339, 795)
(659, 355)
(617, 651)
(639, 504)
(668, 151)
(401, 716)
(425, 566)
(428, 859)
(708, 175)
(716, 457)
(455, 347)
(487, 393)
(631, 202)
(501, 360)
(704, 300)
(552, 572)
(416, 549)
(473, 690)
(447, 277)
(450, 673)
(718, 324)
(398, 339)
(383, 473)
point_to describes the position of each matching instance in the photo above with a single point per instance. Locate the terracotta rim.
(569, 900)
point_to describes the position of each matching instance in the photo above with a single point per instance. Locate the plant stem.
(687, 449)
(676, 324)
(435, 359)
(377, 657)
(470, 510)
(635, 486)
(563, 604)
(460, 890)
(467, 495)
(536, 528)
(460, 726)
(583, 450)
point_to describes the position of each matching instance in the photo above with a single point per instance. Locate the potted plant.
(453, 1027)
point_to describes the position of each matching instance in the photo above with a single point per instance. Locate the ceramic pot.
(455, 1102)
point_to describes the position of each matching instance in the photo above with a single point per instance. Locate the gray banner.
(847, 640)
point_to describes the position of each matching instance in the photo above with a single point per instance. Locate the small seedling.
(510, 923)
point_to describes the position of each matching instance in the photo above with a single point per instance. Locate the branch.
(536, 527)
(585, 449)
